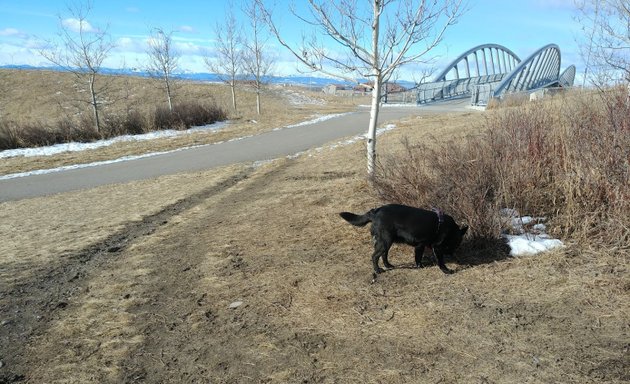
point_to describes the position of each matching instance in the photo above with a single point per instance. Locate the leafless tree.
(375, 40)
(81, 49)
(605, 43)
(257, 62)
(163, 61)
(227, 62)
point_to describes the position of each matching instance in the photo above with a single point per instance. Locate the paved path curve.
(264, 146)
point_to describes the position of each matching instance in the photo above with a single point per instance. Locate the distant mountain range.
(298, 80)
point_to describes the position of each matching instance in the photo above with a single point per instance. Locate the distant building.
(364, 87)
(333, 89)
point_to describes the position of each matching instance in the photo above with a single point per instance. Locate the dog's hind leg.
(381, 249)
(385, 254)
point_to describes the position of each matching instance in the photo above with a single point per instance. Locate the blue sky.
(522, 26)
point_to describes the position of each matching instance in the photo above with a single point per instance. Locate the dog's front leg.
(440, 259)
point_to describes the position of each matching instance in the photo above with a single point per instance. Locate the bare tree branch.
(606, 42)
(228, 62)
(163, 61)
(256, 61)
(81, 50)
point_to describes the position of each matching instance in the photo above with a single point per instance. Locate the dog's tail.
(358, 220)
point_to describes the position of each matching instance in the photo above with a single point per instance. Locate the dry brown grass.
(154, 308)
(566, 159)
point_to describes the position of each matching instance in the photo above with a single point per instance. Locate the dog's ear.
(463, 230)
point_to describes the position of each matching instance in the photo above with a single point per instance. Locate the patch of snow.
(314, 120)
(529, 237)
(76, 147)
(528, 245)
(363, 136)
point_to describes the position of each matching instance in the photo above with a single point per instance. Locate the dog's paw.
(389, 266)
(448, 271)
(379, 270)
(418, 266)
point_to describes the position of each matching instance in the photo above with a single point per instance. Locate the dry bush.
(448, 175)
(510, 100)
(37, 134)
(132, 123)
(566, 159)
(186, 115)
(9, 135)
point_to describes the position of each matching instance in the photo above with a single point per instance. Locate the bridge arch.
(567, 77)
(541, 69)
(486, 60)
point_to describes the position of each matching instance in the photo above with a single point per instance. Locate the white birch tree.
(257, 62)
(375, 38)
(81, 50)
(163, 61)
(227, 62)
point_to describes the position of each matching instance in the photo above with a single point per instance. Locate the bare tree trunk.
(97, 123)
(258, 98)
(371, 136)
(168, 96)
(233, 88)
(376, 91)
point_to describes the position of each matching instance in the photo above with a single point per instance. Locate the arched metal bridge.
(493, 71)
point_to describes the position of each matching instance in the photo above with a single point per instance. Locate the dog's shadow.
(481, 251)
(470, 253)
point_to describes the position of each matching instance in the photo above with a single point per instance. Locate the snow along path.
(265, 146)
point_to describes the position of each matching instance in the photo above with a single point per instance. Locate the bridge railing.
(447, 89)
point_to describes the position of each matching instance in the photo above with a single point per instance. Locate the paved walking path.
(261, 147)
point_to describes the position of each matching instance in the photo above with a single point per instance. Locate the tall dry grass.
(80, 129)
(567, 159)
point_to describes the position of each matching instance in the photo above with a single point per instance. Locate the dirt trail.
(253, 278)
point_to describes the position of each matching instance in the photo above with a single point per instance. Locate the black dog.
(395, 223)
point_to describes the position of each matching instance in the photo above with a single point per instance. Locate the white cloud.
(12, 32)
(9, 32)
(77, 25)
(187, 29)
(188, 48)
(130, 44)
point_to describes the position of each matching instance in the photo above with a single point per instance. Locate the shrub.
(186, 115)
(565, 158)
(9, 135)
(133, 123)
(183, 116)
